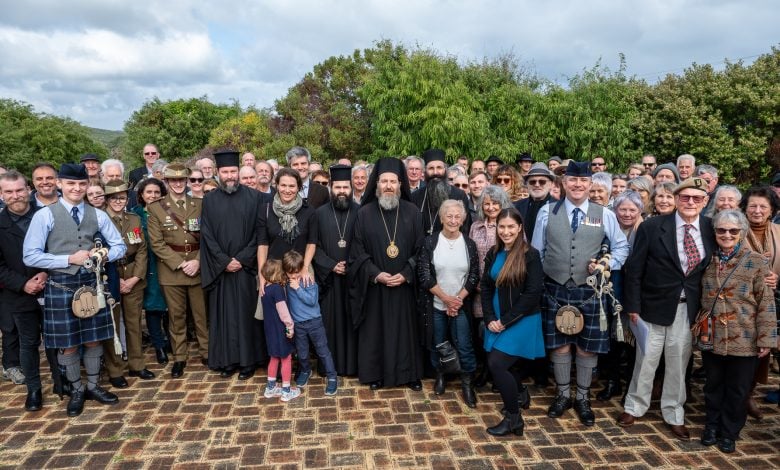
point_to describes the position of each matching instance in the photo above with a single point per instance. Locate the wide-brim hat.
(176, 171)
(524, 157)
(115, 187)
(495, 159)
(539, 169)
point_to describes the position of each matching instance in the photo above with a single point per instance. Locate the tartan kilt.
(591, 338)
(61, 328)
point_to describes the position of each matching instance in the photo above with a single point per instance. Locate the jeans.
(460, 335)
(154, 322)
(27, 328)
(315, 330)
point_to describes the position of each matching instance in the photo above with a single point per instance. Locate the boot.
(612, 389)
(512, 422)
(439, 384)
(482, 379)
(467, 388)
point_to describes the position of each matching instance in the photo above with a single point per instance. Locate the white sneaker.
(15, 375)
(275, 392)
(293, 393)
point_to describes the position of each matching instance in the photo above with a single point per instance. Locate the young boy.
(305, 310)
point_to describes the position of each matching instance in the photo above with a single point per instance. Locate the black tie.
(75, 214)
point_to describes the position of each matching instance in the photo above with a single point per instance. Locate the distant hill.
(111, 139)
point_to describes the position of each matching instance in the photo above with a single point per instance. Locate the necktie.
(575, 219)
(75, 214)
(180, 204)
(691, 251)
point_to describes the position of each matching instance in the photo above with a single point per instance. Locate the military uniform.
(174, 235)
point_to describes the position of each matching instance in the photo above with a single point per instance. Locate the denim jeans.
(154, 322)
(315, 330)
(459, 335)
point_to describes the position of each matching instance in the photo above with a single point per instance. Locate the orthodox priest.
(436, 191)
(388, 232)
(228, 260)
(336, 226)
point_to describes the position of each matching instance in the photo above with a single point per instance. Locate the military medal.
(392, 250)
(342, 233)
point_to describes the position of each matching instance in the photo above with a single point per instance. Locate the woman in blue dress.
(511, 289)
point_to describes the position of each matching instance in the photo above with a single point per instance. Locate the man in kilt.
(569, 234)
(59, 240)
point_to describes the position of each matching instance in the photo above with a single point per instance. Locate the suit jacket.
(172, 243)
(137, 175)
(13, 273)
(653, 276)
(318, 194)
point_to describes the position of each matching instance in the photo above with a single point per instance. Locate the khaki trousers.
(177, 297)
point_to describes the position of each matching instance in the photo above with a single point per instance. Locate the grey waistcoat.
(68, 238)
(567, 254)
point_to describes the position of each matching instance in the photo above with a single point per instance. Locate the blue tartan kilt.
(591, 338)
(63, 329)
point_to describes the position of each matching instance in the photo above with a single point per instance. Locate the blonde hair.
(272, 272)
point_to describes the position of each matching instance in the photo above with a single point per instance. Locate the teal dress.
(524, 338)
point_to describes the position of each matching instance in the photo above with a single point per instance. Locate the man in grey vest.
(569, 234)
(59, 239)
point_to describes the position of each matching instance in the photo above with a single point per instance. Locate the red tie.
(691, 250)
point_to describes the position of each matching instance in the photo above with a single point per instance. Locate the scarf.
(286, 215)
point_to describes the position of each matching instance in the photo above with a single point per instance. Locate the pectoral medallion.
(342, 243)
(392, 250)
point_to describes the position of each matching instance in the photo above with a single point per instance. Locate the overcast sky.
(97, 61)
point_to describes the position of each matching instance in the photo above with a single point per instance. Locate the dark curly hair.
(761, 191)
(146, 182)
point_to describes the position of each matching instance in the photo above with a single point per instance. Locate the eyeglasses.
(597, 164)
(730, 231)
(150, 153)
(648, 165)
(461, 185)
(322, 182)
(504, 180)
(537, 182)
(118, 198)
(196, 180)
(687, 197)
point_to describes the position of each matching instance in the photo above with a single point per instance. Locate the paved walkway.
(203, 421)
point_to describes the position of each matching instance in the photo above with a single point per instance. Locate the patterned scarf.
(286, 215)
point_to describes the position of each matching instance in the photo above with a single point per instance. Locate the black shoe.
(227, 372)
(61, 390)
(483, 378)
(612, 389)
(511, 423)
(467, 390)
(415, 385)
(582, 407)
(102, 396)
(376, 385)
(144, 374)
(178, 369)
(727, 446)
(204, 361)
(118, 382)
(559, 406)
(246, 373)
(709, 437)
(76, 403)
(439, 384)
(34, 400)
(162, 356)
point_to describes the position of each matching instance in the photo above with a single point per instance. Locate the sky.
(97, 61)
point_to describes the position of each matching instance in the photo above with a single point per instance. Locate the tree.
(246, 133)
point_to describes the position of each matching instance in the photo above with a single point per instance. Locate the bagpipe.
(601, 284)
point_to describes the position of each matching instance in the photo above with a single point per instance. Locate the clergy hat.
(73, 171)
(176, 171)
(386, 165)
(432, 155)
(579, 169)
(692, 183)
(114, 187)
(539, 169)
(524, 157)
(89, 157)
(340, 173)
(227, 157)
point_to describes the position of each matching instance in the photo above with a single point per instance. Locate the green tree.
(246, 133)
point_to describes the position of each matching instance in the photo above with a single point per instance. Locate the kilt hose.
(591, 338)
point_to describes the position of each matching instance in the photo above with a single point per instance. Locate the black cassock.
(229, 230)
(389, 347)
(430, 215)
(342, 337)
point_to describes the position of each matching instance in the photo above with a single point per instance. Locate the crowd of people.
(485, 271)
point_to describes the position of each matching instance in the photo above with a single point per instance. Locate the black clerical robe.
(430, 214)
(389, 347)
(229, 228)
(332, 224)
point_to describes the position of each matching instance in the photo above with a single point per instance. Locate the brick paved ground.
(203, 421)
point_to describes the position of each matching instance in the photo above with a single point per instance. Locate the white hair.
(113, 162)
(604, 179)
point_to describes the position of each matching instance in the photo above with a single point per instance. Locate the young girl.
(278, 332)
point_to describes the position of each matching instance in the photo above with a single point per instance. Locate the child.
(278, 331)
(305, 311)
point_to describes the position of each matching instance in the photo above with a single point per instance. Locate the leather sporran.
(449, 362)
(85, 302)
(569, 320)
(703, 331)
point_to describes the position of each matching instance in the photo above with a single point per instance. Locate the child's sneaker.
(288, 395)
(273, 392)
(303, 379)
(332, 387)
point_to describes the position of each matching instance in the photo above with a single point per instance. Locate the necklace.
(392, 250)
(451, 243)
(342, 243)
(422, 207)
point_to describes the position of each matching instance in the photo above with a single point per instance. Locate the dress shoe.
(415, 385)
(376, 385)
(512, 422)
(612, 389)
(61, 390)
(227, 372)
(246, 373)
(34, 400)
(118, 382)
(467, 390)
(178, 369)
(559, 406)
(727, 446)
(144, 374)
(709, 437)
(584, 412)
(439, 384)
(76, 403)
(162, 356)
(102, 396)
(680, 432)
(753, 410)
(625, 420)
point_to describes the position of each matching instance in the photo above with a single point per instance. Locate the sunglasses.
(503, 180)
(597, 164)
(196, 180)
(150, 153)
(461, 185)
(322, 182)
(730, 231)
(686, 198)
(537, 182)
(647, 165)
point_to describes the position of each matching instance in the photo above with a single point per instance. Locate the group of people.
(398, 270)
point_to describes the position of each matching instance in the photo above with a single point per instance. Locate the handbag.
(703, 328)
(449, 362)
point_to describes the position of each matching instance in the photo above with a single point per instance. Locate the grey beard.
(388, 202)
(342, 202)
(438, 191)
(229, 187)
